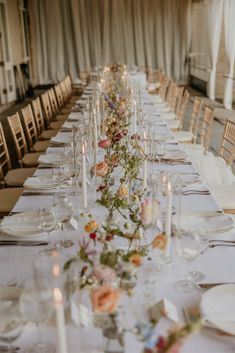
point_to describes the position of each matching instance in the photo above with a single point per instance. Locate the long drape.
(77, 35)
(229, 29)
(215, 12)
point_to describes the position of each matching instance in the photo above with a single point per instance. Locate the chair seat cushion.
(166, 109)
(41, 146)
(56, 125)
(62, 117)
(183, 136)
(48, 134)
(16, 177)
(8, 198)
(31, 159)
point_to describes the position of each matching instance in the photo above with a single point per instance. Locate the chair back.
(30, 126)
(5, 162)
(183, 107)
(53, 101)
(18, 136)
(227, 148)
(37, 109)
(206, 130)
(163, 88)
(197, 107)
(176, 100)
(59, 96)
(47, 108)
(64, 91)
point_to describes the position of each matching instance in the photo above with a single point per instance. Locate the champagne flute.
(47, 224)
(62, 209)
(160, 150)
(187, 245)
(36, 304)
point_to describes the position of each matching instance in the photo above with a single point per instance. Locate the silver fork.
(211, 246)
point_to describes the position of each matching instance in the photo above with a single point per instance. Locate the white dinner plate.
(174, 155)
(61, 140)
(212, 222)
(21, 224)
(40, 182)
(51, 158)
(218, 307)
(162, 137)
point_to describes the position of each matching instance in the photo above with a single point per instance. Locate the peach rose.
(101, 168)
(104, 143)
(122, 191)
(135, 259)
(105, 299)
(91, 226)
(159, 241)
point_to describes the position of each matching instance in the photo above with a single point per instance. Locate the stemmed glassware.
(36, 304)
(47, 224)
(62, 209)
(11, 324)
(160, 150)
(187, 245)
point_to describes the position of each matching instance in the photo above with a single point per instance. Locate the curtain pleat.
(77, 35)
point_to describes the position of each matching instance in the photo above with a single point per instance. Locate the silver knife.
(211, 285)
(22, 243)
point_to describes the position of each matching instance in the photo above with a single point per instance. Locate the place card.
(164, 308)
(74, 223)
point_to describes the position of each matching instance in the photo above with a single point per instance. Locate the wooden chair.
(8, 176)
(39, 121)
(177, 123)
(227, 148)
(31, 131)
(54, 106)
(191, 135)
(206, 130)
(48, 113)
(25, 159)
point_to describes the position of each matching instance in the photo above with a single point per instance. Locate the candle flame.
(56, 270)
(169, 186)
(58, 295)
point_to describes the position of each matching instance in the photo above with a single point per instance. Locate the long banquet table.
(217, 264)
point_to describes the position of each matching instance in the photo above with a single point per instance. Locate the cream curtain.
(214, 19)
(229, 29)
(77, 35)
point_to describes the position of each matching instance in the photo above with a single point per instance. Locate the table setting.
(117, 239)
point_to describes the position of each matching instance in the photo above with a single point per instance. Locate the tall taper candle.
(145, 170)
(168, 219)
(60, 321)
(84, 177)
(135, 117)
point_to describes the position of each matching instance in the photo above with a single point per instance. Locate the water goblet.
(11, 324)
(62, 209)
(187, 244)
(36, 305)
(47, 224)
(160, 150)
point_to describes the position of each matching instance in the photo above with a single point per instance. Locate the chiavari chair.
(39, 121)
(31, 131)
(8, 176)
(25, 159)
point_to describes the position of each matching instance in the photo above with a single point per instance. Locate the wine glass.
(11, 324)
(47, 224)
(36, 304)
(187, 244)
(160, 150)
(62, 209)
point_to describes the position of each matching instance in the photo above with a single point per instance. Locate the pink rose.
(101, 168)
(104, 273)
(105, 299)
(104, 143)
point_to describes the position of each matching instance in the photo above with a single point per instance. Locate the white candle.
(135, 117)
(84, 179)
(168, 219)
(95, 131)
(145, 171)
(60, 321)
